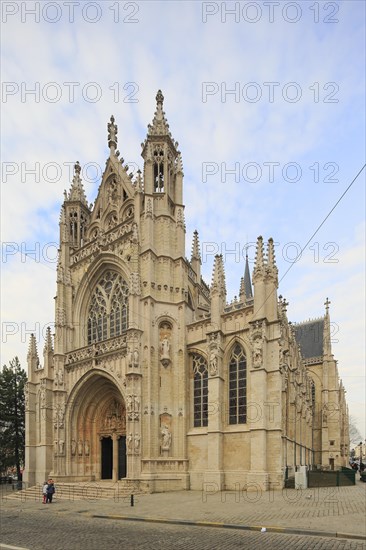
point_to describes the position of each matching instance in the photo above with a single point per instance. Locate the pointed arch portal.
(98, 430)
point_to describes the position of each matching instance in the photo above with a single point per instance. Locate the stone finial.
(112, 135)
(159, 98)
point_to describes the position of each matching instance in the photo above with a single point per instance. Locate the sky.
(266, 100)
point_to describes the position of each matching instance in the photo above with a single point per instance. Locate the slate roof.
(309, 336)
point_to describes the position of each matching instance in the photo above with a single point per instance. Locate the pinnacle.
(195, 246)
(77, 192)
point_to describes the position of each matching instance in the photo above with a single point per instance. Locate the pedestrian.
(44, 492)
(50, 491)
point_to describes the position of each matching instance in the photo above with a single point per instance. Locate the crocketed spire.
(77, 192)
(195, 246)
(259, 258)
(218, 276)
(159, 126)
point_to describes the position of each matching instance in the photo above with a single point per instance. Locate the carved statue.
(137, 443)
(213, 362)
(135, 360)
(165, 348)
(60, 377)
(42, 393)
(61, 446)
(73, 447)
(130, 401)
(166, 438)
(86, 447)
(129, 441)
(80, 447)
(257, 352)
(55, 447)
(136, 403)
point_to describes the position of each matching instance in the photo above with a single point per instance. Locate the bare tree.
(354, 433)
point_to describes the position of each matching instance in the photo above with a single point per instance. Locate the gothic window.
(108, 309)
(237, 386)
(73, 227)
(200, 391)
(159, 170)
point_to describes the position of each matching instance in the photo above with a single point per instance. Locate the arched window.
(108, 309)
(159, 170)
(237, 386)
(200, 391)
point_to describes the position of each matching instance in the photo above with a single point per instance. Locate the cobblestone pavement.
(331, 511)
(61, 529)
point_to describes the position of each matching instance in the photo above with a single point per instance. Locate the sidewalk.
(332, 511)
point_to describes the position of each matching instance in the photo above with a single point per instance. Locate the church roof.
(309, 336)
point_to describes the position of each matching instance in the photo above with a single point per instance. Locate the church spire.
(246, 292)
(77, 192)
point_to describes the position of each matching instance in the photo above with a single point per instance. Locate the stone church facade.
(151, 376)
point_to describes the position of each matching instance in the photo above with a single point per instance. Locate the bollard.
(132, 503)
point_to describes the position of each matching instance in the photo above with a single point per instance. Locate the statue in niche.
(129, 441)
(43, 396)
(135, 360)
(61, 446)
(130, 401)
(137, 443)
(257, 352)
(165, 348)
(166, 438)
(73, 447)
(80, 447)
(213, 362)
(86, 447)
(55, 447)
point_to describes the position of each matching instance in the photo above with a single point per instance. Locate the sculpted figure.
(213, 362)
(73, 447)
(166, 438)
(80, 447)
(165, 347)
(137, 443)
(61, 446)
(129, 441)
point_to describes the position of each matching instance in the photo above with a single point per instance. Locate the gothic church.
(151, 376)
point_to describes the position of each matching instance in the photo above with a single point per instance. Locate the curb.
(284, 530)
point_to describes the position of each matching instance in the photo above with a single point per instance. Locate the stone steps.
(80, 491)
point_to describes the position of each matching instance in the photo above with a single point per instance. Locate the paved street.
(325, 518)
(60, 529)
